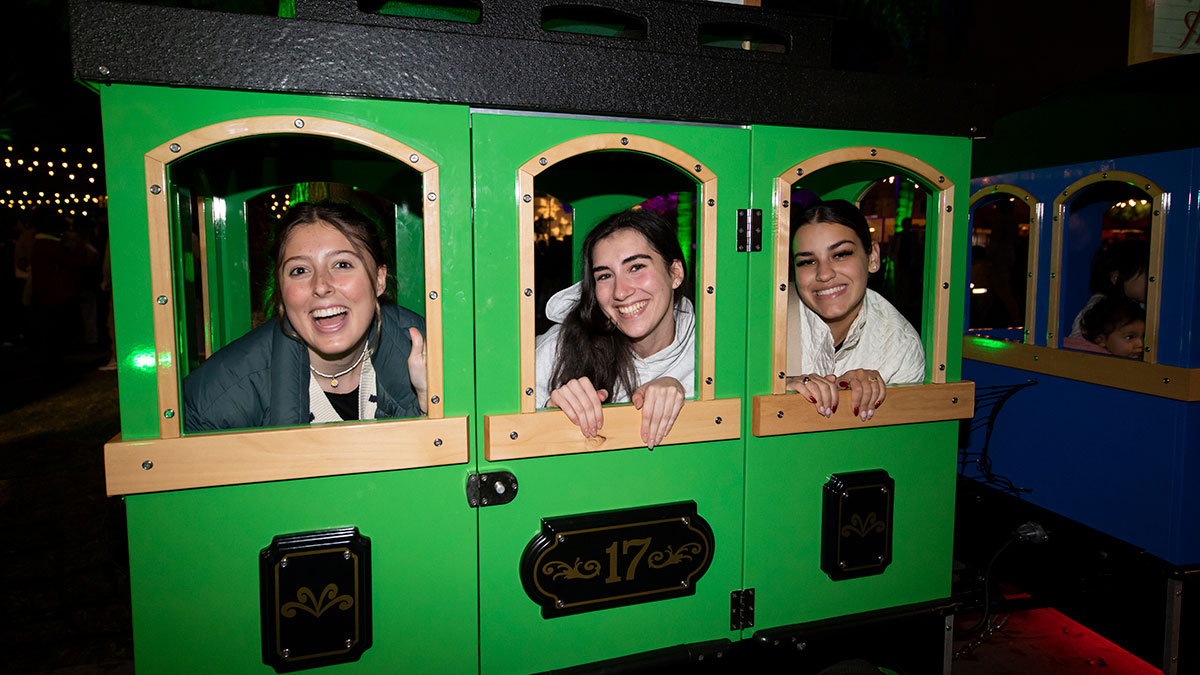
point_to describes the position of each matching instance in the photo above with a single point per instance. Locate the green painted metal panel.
(785, 474)
(514, 636)
(194, 553)
(195, 578)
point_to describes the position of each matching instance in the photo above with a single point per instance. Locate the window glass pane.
(999, 267)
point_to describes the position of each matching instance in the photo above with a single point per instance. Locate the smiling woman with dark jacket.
(332, 353)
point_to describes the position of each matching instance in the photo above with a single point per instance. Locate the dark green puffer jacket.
(261, 379)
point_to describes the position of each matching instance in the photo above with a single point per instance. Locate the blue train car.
(1103, 451)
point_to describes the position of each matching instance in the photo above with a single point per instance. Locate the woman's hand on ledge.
(660, 402)
(417, 371)
(581, 403)
(820, 389)
(867, 391)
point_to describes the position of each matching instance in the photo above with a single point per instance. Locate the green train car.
(489, 536)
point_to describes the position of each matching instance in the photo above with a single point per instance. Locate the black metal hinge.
(749, 230)
(741, 609)
(491, 489)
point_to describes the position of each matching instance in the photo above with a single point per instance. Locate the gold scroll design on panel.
(862, 527)
(317, 605)
(589, 569)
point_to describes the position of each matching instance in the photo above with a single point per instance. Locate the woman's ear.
(380, 280)
(873, 258)
(676, 273)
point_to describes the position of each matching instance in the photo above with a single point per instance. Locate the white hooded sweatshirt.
(677, 360)
(879, 339)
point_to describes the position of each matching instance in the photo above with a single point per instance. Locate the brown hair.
(360, 230)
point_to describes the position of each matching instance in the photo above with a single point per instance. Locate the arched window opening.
(1105, 253)
(576, 194)
(1000, 239)
(227, 199)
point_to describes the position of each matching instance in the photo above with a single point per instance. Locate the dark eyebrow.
(636, 256)
(831, 247)
(338, 252)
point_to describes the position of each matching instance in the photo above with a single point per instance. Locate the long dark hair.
(837, 211)
(1117, 263)
(361, 231)
(589, 345)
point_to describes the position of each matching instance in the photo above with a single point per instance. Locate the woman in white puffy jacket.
(842, 335)
(626, 333)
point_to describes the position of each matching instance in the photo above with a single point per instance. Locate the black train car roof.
(507, 60)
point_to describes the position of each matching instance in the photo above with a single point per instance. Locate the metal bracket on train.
(741, 609)
(749, 230)
(491, 489)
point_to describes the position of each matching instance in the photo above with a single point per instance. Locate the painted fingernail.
(870, 414)
(878, 403)
(856, 411)
(834, 409)
(812, 399)
(843, 385)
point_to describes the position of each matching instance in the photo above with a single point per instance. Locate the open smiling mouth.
(831, 291)
(636, 307)
(329, 317)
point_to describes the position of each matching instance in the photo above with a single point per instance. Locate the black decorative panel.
(856, 525)
(587, 562)
(316, 598)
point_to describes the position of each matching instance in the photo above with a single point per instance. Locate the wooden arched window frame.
(173, 462)
(1154, 275)
(533, 434)
(1035, 229)
(777, 413)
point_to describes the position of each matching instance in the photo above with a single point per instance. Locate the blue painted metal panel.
(1114, 460)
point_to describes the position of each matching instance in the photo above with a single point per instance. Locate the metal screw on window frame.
(527, 198)
(437, 442)
(799, 171)
(349, 642)
(174, 147)
(624, 140)
(718, 420)
(529, 391)
(432, 196)
(283, 563)
(435, 400)
(954, 399)
(169, 413)
(786, 203)
(708, 380)
(874, 152)
(528, 292)
(699, 168)
(779, 414)
(299, 123)
(945, 284)
(513, 435)
(285, 653)
(949, 208)
(783, 287)
(155, 189)
(712, 202)
(709, 290)
(346, 556)
(147, 465)
(543, 161)
(941, 366)
(414, 158)
(433, 295)
(941, 179)
(162, 300)
(782, 375)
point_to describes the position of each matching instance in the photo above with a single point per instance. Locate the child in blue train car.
(332, 352)
(1119, 270)
(625, 333)
(1113, 325)
(842, 335)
